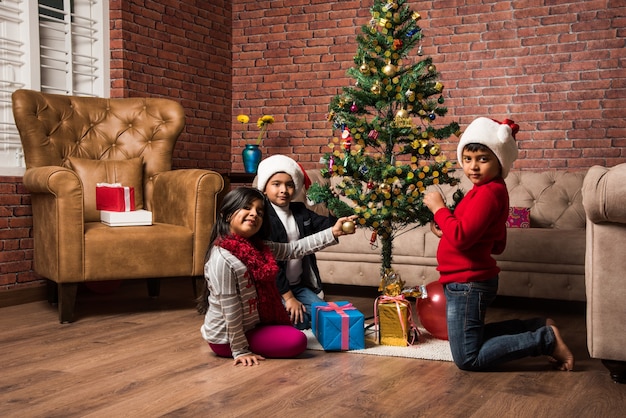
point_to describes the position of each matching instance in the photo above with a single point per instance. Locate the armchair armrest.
(57, 204)
(188, 198)
(604, 194)
(52, 179)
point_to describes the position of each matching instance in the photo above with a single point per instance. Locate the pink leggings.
(271, 341)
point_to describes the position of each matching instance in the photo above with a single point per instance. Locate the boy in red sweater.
(469, 236)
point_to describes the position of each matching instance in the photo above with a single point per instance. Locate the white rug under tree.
(427, 347)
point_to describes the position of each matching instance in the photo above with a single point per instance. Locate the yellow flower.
(261, 123)
(264, 120)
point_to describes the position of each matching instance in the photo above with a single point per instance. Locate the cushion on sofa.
(544, 245)
(518, 217)
(127, 172)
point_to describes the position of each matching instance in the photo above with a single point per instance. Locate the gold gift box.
(390, 331)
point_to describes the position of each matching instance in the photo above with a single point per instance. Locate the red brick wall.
(179, 50)
(288, 61)
(556, 68)
(16, 244)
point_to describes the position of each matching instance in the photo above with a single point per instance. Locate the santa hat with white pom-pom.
(282, 164)
(498, 136)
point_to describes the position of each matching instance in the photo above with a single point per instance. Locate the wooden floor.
(130, 356)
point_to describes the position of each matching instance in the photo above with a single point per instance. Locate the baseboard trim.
(23, 295)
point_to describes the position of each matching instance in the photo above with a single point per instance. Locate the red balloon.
(432, 311)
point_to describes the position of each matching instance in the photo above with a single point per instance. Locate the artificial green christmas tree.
(387, 153)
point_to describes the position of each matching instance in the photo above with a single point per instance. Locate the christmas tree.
(387, 153)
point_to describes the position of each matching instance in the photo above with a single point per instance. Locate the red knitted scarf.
(263, 269)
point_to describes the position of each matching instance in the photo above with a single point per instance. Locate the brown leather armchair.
(70, 144)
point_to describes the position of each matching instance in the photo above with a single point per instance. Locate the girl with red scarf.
(244, 315)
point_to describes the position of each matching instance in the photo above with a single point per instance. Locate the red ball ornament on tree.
(432, 311)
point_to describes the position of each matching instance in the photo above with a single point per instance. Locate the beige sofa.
(546, 260)
(604, 199)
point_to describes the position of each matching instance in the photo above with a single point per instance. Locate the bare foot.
(549, 323)
(561, 352)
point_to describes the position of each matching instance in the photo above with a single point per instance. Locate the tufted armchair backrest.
(54, 128)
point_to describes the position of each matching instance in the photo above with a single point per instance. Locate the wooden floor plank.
(132, 356)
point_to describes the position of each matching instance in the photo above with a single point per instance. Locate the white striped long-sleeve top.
(232, 295)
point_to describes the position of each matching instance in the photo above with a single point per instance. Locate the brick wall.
(556, 68)
(179, 50)
(16, 244)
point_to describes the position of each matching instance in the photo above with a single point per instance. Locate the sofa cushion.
(545, 246)
(127, 172)
(518, 217)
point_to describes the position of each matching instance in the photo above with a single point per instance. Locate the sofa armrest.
(604, 194)
(56, 197)
(189, 198)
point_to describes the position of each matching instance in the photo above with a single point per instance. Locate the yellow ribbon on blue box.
(338, 326)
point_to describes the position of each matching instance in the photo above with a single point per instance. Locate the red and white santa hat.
(281, 164)
(498, 136)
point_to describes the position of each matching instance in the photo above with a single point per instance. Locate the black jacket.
(308, 223)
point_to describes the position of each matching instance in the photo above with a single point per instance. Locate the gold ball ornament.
(348, 227)
(364, 69)
(402, 113)
(389, 70)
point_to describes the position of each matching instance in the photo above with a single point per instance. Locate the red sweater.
(472, 233)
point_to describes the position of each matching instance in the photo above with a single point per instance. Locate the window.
(55, 46)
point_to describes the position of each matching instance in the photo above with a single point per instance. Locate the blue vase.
(251, 158)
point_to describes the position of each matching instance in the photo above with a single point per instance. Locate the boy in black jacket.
(280, 178)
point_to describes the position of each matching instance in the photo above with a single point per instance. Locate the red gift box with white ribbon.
(115, 197)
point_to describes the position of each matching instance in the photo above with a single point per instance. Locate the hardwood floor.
(130, 356)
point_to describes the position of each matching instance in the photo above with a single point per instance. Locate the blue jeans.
(479, 346)
(306, 296)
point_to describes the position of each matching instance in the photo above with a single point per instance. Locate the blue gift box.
(338, 326)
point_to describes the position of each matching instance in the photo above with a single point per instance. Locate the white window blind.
(55, 46)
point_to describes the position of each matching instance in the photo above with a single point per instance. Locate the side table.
(239, 178)
(234, 178)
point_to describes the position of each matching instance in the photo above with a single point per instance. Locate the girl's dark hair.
(234, 200)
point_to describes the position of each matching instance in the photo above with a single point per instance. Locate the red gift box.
(115, 197)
